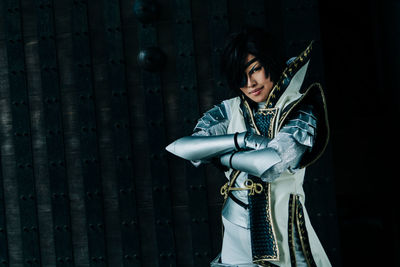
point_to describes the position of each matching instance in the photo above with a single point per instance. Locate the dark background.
(360, 40)
(85, 180)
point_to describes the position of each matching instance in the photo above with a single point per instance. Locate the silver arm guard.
(254, 162)
(281, 153)
(206, 147)
(210, 139)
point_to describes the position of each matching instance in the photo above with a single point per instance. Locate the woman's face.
(258, 86)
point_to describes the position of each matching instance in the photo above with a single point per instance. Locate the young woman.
(265, 137)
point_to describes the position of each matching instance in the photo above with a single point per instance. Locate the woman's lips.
(257, 91)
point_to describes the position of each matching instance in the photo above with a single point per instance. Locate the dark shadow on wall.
(361, 41)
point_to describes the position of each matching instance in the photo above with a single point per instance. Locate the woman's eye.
(254, 70)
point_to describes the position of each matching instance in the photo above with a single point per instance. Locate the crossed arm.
(249, 152)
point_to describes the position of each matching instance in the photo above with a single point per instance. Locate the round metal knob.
(145, 10)
(151, 59)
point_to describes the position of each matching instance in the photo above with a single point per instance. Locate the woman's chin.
(257, 99)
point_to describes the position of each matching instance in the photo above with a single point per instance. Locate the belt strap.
(235, 199)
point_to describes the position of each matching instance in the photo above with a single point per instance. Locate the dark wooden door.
(91, 91)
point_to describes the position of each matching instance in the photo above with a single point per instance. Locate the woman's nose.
(251, 82)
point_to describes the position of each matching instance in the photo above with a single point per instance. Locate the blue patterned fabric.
(263, 121)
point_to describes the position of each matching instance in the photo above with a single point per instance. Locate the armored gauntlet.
(206, 147)
(254, 162)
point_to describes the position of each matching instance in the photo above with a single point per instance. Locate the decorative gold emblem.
(253, 187)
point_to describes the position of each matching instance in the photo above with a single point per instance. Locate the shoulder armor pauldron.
(302, 126)
(210, 119)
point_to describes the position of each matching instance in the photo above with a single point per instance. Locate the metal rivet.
(151, 59)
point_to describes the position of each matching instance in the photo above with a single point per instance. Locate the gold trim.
(307, 254)
(301, 238)
(251, 115)
(289, 68)
(272, 222)
(292, 206)
(286, 113)
(234, 174)
(266, 111)
(282, 119)
(271, 131)
(274, 112)
(252, 187)
(275, 241)
(228, 185)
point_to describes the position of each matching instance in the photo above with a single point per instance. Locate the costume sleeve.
(292, 141)
(213, 122)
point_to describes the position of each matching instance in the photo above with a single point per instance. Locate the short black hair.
(255, 41)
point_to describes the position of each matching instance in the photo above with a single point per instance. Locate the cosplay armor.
(254, 162)
(203, 148)
(266, 151)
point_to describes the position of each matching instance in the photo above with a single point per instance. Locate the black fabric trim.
(303, 234)
(236, 142)
(230, 159)
(240, 203)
